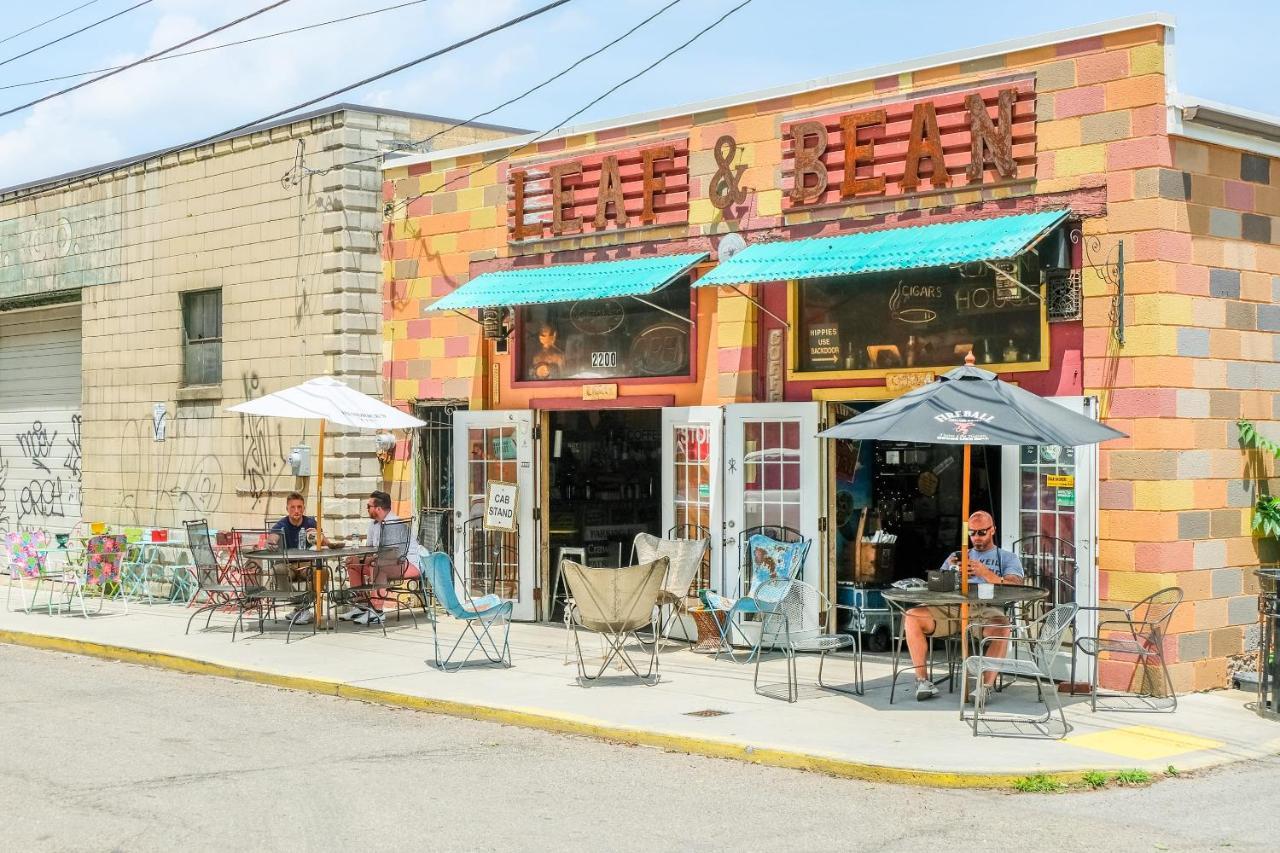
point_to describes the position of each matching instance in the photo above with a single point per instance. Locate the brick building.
(1146, 294)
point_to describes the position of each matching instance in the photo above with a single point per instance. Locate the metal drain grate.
(707, 712)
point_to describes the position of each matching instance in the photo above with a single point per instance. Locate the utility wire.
(80, 176)
(75, 32)
(198, 50)
(46, 21)
(299, 169)
(158, 53)
(405, 202)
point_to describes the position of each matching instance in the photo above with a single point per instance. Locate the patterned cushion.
(24, 552)
(102, 559)
(774, 560)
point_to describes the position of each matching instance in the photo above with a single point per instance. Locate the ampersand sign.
(725, 190)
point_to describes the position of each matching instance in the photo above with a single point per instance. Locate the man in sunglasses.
(987, 564)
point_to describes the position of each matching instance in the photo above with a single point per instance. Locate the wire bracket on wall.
(1109, 266)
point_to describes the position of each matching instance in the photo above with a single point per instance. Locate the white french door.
(1051, 492)
(495, 446)
(692, 482)
(772, 477)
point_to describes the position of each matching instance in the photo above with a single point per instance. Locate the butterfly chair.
(796, 604)
(686, 557)
(103, 557)
(615, 603)
(1137, 634)
(27, 566)
(1041, 640)
(482, 618)
(770, 560)
(219, 587)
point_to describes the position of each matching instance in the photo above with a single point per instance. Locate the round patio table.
(318, 557)
(1004, 596)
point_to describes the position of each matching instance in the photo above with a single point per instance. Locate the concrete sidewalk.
(863, 737)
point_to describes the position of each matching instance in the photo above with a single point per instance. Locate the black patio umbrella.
(969, 406)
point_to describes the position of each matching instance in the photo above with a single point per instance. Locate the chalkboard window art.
(601, 339)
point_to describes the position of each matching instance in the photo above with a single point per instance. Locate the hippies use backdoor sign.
(949, 141)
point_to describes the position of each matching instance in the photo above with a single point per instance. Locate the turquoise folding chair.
(774, 566)
(481, 617)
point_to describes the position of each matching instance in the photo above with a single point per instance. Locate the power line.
(91, 173)
(46, 21)
(76, 32)
(199, 50)
(158, 53)
(299, 169)
(405, 202)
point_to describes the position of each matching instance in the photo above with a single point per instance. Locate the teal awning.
(907, 248)
(568, 282)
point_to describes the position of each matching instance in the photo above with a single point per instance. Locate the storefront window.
(920, 319)
(607, 338)
(771, 473)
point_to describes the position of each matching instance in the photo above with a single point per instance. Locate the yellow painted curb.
(708, 747)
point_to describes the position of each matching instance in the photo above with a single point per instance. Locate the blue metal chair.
(774, 566)
(481, 617)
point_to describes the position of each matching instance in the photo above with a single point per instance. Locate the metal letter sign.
(500, 503)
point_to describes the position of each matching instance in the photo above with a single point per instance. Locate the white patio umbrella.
(327, 400)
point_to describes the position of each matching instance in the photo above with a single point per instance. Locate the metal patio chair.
(258, 590)
(1139, 634)
(770, 560)
(1041, 640)
(686, 559)
(27, 565)
(388, 578)
(481, 618)
(219, 588)
(775, 630)
(616, 603)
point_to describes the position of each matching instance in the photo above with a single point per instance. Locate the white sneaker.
(370, 617)
(352, 614)
(304, 616)
(925, 690)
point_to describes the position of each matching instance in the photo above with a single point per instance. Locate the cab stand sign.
(500, 506)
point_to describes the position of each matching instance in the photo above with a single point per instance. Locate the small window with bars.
(202, 337)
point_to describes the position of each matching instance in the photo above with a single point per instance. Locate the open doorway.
(605, 483)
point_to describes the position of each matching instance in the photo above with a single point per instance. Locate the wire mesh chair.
(616, 603)
(1139, 635)
(481, 617)
(261, 595)
(101, 570)
(493, 560)
(1041, 640)
(1050, 564)
(795, 603)
(219, 588)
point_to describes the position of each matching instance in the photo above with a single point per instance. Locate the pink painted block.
(885, 84)
(1080, 101)
(1045, 164)
(1144, 403)
(420, 169)
(737, 358)
(1139, 153)
(1147, 121)
(1161, 556)
(1101, 67)
(399, 370)
(388, 190)
(1161, 246)
(431, 389)
(419, 328)
(419, 206)
(1238, 195)
(1191, 280)
(1115, 494)
(1071, 48)
(457, 346)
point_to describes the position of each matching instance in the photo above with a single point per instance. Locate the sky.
(1225, 52)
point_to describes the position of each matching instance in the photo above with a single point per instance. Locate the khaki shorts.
(946, 620)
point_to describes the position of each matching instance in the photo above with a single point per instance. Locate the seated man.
(987, 564)
(360, 569)
(294, 526)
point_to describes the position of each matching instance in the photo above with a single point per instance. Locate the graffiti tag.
(37, 444)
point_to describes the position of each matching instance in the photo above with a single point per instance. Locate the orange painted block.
(1196, 584)
(1159, 434)
(1242, 551)
(1139, 153)
(1134, 92)
(1116, 555)
(1256, 286)
(1210, 494)
(1224, 343)
(1119, 186)
(1022, 58)
(1209, 613)
(1131, 38)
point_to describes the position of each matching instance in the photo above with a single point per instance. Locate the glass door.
(495, 447)
(1048, 517)
(692, 489)
(773, 478)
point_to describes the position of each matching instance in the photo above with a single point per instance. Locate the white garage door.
(40, 419)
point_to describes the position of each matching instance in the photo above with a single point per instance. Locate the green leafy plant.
(1095, 779)
(1171, 771)
(1037, 783)
(1133, 777)
(1266, 510)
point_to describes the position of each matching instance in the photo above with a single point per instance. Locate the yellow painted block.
(432, 347)
(404, 389)
(1173, 308)
(470, 198)
(431, 182)
(732, 308)
(1146, 59)
(467, 367)
(1164, 494)
(1063, 133)
(1085, 160)
(734, 334)
(1143, 743)
(395, 330)
(769, 203)
(1135, 586)
(1151, 340)
(701, 212)
(443, 244)
(757, 129)
(485, 217)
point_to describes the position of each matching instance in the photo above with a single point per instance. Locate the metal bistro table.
(1005, 596)
(318, 557)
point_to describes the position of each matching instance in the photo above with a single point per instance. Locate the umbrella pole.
(964, 552)
(318, 584)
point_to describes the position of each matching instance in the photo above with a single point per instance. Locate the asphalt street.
(106, 756)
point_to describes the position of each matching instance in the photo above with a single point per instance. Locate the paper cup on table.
(986, 590)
